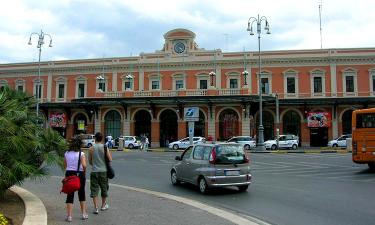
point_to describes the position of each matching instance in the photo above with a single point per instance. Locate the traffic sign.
(191, 114)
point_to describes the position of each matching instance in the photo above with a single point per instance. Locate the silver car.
(246, 141)
(185, 142)
(212, 166)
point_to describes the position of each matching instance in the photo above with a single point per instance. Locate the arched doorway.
(228, 124)
(268, 124)
(142, 123)
(80, 124)
(347, 122)
(168, 127)
(292, 124)
(199, 126)
(112, 124)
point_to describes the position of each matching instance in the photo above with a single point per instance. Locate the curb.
(35, 211)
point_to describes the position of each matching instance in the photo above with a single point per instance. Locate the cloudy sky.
(83, 29)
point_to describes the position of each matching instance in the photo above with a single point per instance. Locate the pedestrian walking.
(98, 176)
(71, 163)
(143, 142)
(146, 144)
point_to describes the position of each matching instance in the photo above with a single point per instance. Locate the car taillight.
(213, 156)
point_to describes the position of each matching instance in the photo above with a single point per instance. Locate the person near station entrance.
(71, 158)
(143, 142)
(98, 176)
(109, 141)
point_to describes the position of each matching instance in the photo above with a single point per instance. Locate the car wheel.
(371, 166)
(175, 146)
(335, 145)
(243, 188)
(89, 145)
(273, 147)
(131, 146)
(294, 147)
(246, 147)
(203, 186)
(174, 178)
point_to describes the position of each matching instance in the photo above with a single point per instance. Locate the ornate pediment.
(179, 42)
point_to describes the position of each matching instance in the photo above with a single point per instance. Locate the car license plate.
(232, 173)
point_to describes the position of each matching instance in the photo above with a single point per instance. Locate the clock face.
(179, 47)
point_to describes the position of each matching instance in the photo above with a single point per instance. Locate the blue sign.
(191, 114)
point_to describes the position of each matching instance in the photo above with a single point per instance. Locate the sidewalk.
(132, 206)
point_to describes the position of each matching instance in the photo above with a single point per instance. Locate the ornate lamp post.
(100, 78)
(39, 45)
(212, 76)
(130, 78)
(250, 23)
(245, 73)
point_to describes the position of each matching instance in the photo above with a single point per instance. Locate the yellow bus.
(363, 137)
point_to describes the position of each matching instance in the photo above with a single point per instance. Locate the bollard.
(120, 144)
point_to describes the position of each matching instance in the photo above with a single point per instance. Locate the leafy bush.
(26, 148)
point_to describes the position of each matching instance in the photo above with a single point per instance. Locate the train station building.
(309, 93)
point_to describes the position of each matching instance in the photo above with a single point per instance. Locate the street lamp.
(100, 78)
(212, 75)
(130, 78)
(250, 23)
(39, 45)
(245, 73)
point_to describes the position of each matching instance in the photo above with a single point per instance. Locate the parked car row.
(340, 141)
(288, 141)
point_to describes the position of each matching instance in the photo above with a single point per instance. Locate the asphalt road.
(287, 188)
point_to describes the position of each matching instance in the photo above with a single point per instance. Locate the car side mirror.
(178, 158)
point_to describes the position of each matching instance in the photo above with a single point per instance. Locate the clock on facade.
(179, 47)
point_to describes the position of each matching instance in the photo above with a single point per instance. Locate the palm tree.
(26, 148)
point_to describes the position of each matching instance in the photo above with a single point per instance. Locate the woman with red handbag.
(75, 162)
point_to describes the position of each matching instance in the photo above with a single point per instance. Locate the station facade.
(309, 93)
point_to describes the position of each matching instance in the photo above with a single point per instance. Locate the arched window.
(112, 124)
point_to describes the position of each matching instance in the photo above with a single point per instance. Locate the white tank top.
(71, 158)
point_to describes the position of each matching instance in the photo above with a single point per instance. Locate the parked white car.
(88, 140)
(184, 143)
(131, 141)
(340, 141)
(246, 141)
(285, 141)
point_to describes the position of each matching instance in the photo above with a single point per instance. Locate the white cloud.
(84, 29)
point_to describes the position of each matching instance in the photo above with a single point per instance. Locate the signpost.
(191, 115)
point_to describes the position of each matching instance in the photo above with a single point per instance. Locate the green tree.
(26, 148)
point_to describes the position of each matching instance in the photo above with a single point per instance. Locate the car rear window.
(228, 154)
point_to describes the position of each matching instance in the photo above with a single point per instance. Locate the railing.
(229, 91)
(168, 93)
(210, 92)
(142, 93)
(196, 92)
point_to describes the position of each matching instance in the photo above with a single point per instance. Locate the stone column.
(334, 122)
(181, 129)
(98, 121)
(114, 81)
(246, 121)
(211, 123)
(49, 87)
(155, 133)
(141, 79)
(333, 79)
